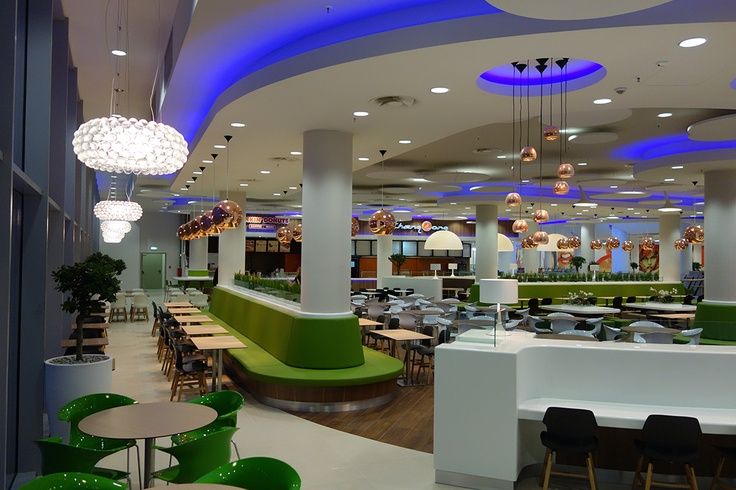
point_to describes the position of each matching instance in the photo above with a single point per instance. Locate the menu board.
(285, 247)
(261, 245)
(250, 245)
(273, 246)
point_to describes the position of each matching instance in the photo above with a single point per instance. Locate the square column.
(669, 260)
(231, 247)
(720, 235)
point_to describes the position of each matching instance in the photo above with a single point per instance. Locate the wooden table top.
(203, 329)
(193, 319)
(425, 313)
(672, 331)
(217, 342)
(184, 310)
(99, 342)
(145, 420)
(675, 316)
(367, 322)
(402, 334)
(93, 326)
(556, 336)
(174, 304)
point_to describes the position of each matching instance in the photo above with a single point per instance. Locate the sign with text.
(264, 223)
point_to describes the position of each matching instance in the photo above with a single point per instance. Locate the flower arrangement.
(580, 298)
(663, 295)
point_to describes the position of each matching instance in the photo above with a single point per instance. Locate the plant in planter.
(85, 284)
(634, 266)
(577, 262)
(398, 260)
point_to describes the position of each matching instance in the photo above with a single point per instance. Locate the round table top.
(146, 420)
(202, 486)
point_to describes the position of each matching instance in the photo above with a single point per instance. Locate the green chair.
(73, 481)
(227, 404)
(57, 457)
(79, 408)
(198, 456)
(258, 473)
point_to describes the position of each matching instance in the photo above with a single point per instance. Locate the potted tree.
(577, 262)
(398, 260)
(85, 285)
(633, 266)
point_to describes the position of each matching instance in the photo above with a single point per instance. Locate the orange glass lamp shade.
(208, 225)
(694, 234)
(513, 199)
(541, 215)
(520, 226)
(540, 238)
(574, 242)
(612, 242)
(382, 222)
(227, 214)
(596, 244)
(297, 233)
(565, 170)
(680, 244)
(354, 226)
(195, 230)
(181, 233)
(561, 188)
(647, 243)
(562, 244)
(284, 235)
(627, 246)
(551, 133)
(528, 242)
(528, 154)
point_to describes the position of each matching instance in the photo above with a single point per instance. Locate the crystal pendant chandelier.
(118, 211)
(115, 227)
(112, 237)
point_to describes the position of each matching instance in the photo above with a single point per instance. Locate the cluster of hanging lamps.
(116, 216)
(596, 244)
(694, 234)
(627, 246)
(612, 243)
(569, 243)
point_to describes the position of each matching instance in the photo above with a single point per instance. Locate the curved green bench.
(297, 351)
(718, 322)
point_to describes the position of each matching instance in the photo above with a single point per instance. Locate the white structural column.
(669, 262)
(384, 268)
(532, 256)
(587, 234)
(486, 242)
(198, 253)
(720, 235)
(327, 209)
(231, 248)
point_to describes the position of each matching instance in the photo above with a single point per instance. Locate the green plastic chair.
(259, 473)
(227, 404)
(73, 481)
(57, 457)
(197, 457)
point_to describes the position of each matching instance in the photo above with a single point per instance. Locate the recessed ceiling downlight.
(118, 52)
(602, 101)
(664, 114)
(237, 124)
(361, 113)
(693, 42)
(439, 90)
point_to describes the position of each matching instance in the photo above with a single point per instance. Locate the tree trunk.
(80, 337)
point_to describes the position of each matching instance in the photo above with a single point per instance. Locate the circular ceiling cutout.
(615, 196)
(716, 129)
(455, 177)
(577, 73)
(438, 188)
(573, 9)
(397, 190)
(594, 138)
(390, 174)
(490, 188)
(588, 119)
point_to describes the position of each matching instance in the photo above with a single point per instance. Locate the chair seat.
(169, 474)
(670, 454)
(110, 473)
(568, 444)
(425, 351)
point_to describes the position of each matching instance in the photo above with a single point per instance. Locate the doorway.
(153, 265)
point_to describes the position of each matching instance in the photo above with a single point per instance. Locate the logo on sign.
(425, 226)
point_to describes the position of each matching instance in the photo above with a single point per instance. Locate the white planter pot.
(65, 382)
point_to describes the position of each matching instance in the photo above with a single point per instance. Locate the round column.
(720, 235)
(198, 254)
(669, 260)
(532, 256)
(587, 234)
(486, 242)
(231, 247)
(384, 268)
(327, 210)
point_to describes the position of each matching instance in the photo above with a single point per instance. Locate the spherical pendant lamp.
(354, 226)
(297, 233)
(562, 244)
(284, 235)
(227, 214)
(574, 241)
(528, 242)
(520, 226)
(561, 188)
(118, 211)
(541, 215)
(528, 154)
(647, 243)
(680, 244)
(382, 222)
(694, 234)
(565, 170)
(596, 244)
(513, 199)
(627, 246)
(612, 243)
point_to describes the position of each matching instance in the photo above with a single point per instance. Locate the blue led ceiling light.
(663, 146)
(578, 74)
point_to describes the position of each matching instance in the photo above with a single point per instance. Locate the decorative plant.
(663, 295)
(86, 284)
(696, 266)
(398, 260)
(577, 262)
(579, 298)
(634, 266)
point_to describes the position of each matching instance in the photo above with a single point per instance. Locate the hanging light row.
(286, 234)
(226, 215)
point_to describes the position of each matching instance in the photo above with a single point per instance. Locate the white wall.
(154, 229)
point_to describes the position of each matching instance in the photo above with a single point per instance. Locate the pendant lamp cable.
(227, 167)
(383, 159)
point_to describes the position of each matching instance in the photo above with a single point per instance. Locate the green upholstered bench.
(718, 322)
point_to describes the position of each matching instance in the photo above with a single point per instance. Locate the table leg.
(219, 369)
(149, 462)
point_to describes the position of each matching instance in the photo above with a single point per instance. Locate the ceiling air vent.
(284, 159)
(394, 101)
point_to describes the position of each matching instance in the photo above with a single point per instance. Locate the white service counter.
(489, 401)
(431, 287)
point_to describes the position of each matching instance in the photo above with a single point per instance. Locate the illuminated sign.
(263, 223)
(424, 227)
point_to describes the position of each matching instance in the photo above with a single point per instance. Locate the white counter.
(489, 401)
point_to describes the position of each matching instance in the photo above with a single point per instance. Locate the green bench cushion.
(262, 366)
(312, 343)
(718, 322)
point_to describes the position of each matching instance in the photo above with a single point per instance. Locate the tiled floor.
(325, 458)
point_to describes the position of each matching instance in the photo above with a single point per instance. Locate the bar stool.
(668, 439)
(569, 430)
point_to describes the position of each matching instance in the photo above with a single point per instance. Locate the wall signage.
(423, 227)
(264, 223)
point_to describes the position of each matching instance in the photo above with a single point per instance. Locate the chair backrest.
(596, 323)
(259, 473)
(611, 332)
(572, 423)
(73, 480)
(427, 330)
(199, 456)
(406, 319)
(226, 403)
(658, 338)
(199, 300)
(394, 323)
(512, 324)
(119, 302)
(57, 457)
(694, 334)
(559, 314)
(444, 336)
(631, 299)
(79, 408)
(546, 301)
(140, 301)
(618, 301)
(646, 323)
(672, 432)
(534, 306)
(560, 325)
(374, 311)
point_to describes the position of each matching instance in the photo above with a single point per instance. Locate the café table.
(396, 335)
(583, 310)
(174, 304)
(95, 342)
(662, 307)
(631, 329)
(188, 310)
(556, 336)
(670, 317)
(367, 322)
(213, 329)
(216, 344)
(147, 421)
(189, 319)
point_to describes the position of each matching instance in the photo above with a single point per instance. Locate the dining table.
(216, 344)
(189, 319)
(185, 310)
(396, 335)
(582, 310)
(673, 317)
(174, 304)
(147, 421)
(208, 329)
(657, 306)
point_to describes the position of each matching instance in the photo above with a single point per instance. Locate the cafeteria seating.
(118, 308)
(139, 308)
(197, 457)
(612, 333)
(57, 457)
(726, 453)
(693, 335)
(596, 323)
(560, 322)
(571, 431)
(535, 320)
(533, 306)
(227, 404)
(199, 301)
(428, 352)
(73, 480)
(255, 473)
(189, 371)
(668, 439)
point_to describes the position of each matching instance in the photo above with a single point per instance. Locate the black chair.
(534, 306)
(726, 454)
(414, 348)
(688, 299)
(668, 439)
(618, 302)
(409, 291)
(189, 372)
(631, 299)
(570, 431)
(546, 301)
(428, 352)
(156, 319)
(701, 298)
(375, 337)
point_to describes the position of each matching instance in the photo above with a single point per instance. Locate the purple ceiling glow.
(578, 74)
(673, 144)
